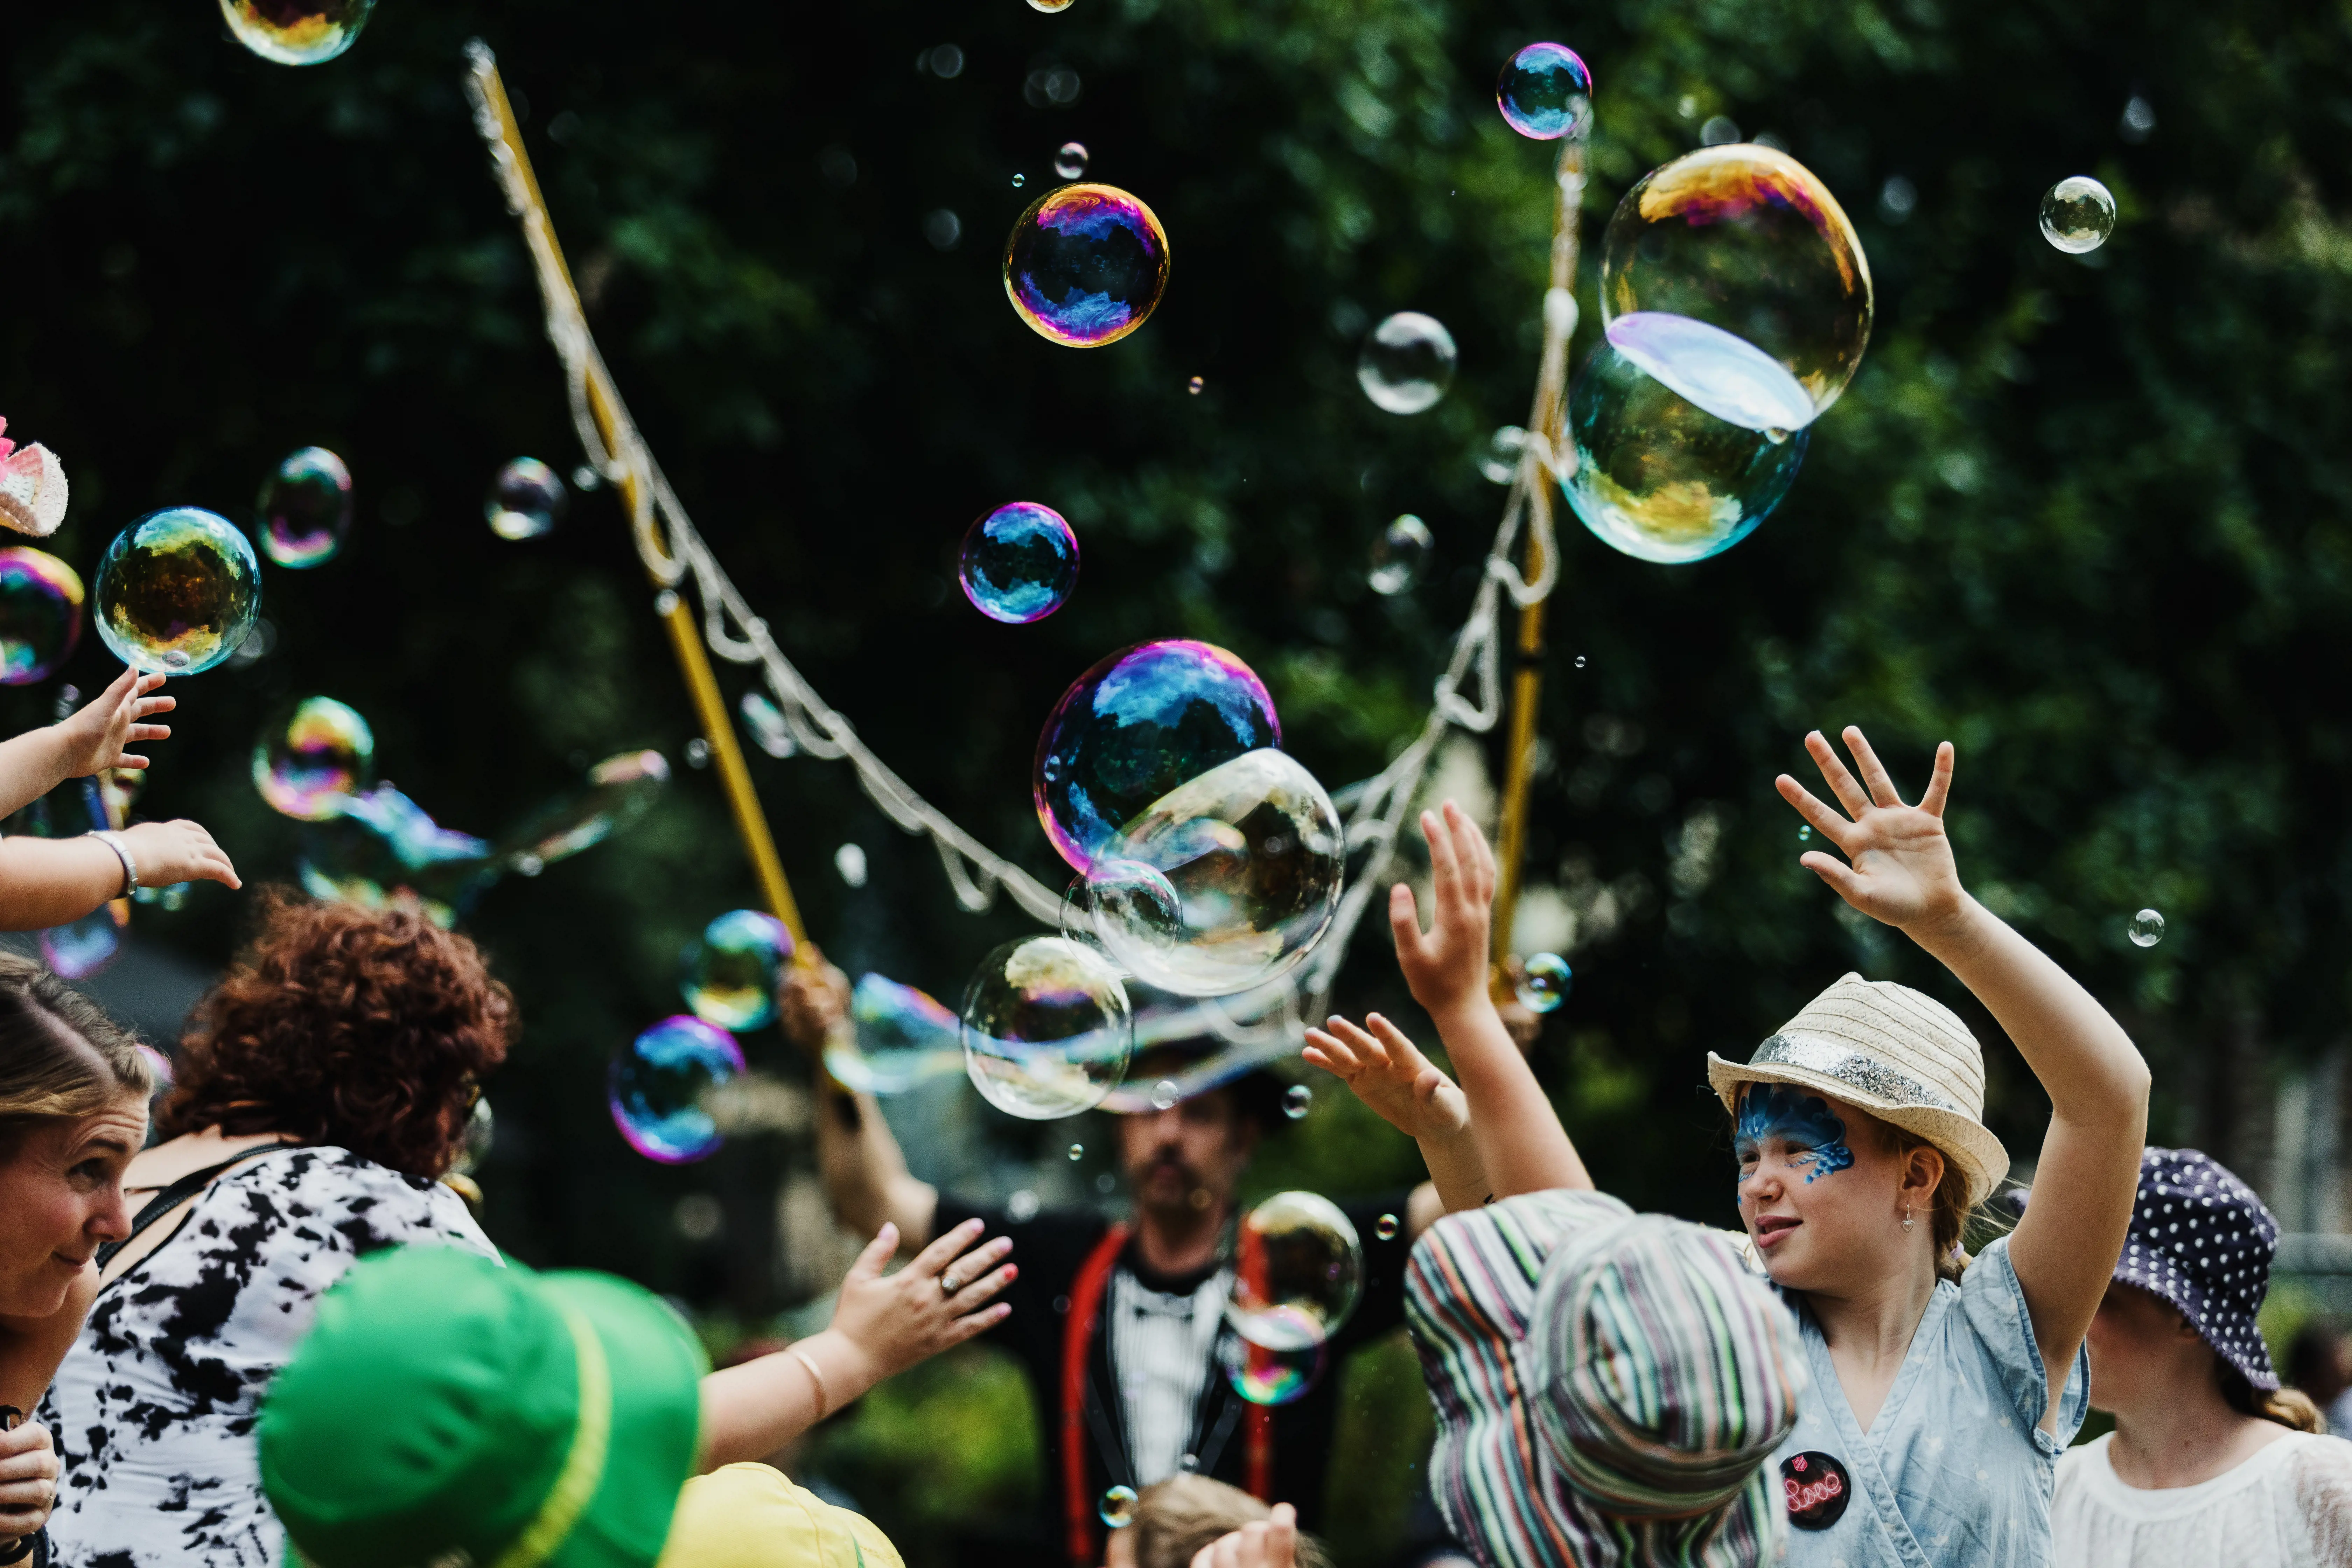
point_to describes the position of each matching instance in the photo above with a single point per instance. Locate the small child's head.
(1177, 1518)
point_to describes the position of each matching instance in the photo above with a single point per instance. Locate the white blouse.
(2290, 1506)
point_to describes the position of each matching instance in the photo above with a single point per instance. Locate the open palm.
(1898, 865)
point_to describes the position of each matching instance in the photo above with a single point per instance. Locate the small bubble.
(2077, 215)
(1297, 1101)
(1019, 180)
(1118, 1506)
(1579, 661)
(1164, 1094)
(698, 752)
(1386, 1228)
(1021, 1206)
(1193, 386)
(1071, 160)
(1804, 834)
(1106, 1184)
(2147, 929)
(1778, 438)
(584, 478)
(850, 861)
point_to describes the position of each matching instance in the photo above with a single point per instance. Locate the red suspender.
(1261, 1452)
(1078, 1343)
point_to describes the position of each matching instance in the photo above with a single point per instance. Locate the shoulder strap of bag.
(179, 1193)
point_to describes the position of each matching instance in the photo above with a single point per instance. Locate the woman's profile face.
(1821, 1188)
(61, 1200)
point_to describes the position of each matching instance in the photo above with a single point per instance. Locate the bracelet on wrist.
(113, 841)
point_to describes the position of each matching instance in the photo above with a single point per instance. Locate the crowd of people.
(266, 1330)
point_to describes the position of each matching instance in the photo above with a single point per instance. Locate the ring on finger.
(949, 1283)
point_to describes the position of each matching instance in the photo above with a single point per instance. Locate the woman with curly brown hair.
(323, 1089)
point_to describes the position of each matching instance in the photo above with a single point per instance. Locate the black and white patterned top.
(154, 1409)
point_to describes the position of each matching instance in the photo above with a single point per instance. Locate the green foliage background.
(2085, 516)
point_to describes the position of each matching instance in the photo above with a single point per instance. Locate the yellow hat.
(749, 1516)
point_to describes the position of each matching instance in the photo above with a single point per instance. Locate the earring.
(1907, 1219)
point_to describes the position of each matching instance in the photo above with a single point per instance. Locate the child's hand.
(1269, 1543)
(1902, 871)
(898, 1320)
(93, 738)
(1388, 1073)
(169, 852)
(1446, 968)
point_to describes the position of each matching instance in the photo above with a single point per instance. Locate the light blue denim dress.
(1954, 1473)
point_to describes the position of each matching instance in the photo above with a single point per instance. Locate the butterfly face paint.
(1815, 1138)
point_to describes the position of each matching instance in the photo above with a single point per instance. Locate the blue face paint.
(1815, 1137)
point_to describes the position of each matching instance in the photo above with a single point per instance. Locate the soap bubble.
(1265, 1376)
(295, 31)
(1085, 265)
(1049, 7)
(1745, 240)
(481, 1131)
(1298, 1271)
(1544, 92)
(1134, 726)
(1047, 1028)
(1385, 1227)
(1399, 555)
(1078, 1152)
(1117, 1506)
(177, 591)
(1500, 462)
(1020, 563)
(849, 860)
(2147, 929)
(1660, 477)
(1071, 160)
(1019, 180)
(1134, 902)
(1165, 1094)
(40, 614)
(729, 974)
(2077, 215)
(1543, 983)
(1193, 385)
(661, 1086)
(384, 852)
(82, 948)
(526, 499)
(898, 1037)
(1297, 1101)
(1252, 849)
(305, 508)
(618, 791)
(312, 761)
(769, 729)
(1407, 363)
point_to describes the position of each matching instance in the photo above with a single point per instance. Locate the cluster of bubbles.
(1543, 982)
(1407, 363)
(295, 31)
(1398, 555)
(304, 511)
(1085, 265)
(2145, 929)
(40, 614)
(1019, 562)
(660, 1089)
(2078, 214)
(313, 759)
(526, 499)
(730, 974)
(178, 591)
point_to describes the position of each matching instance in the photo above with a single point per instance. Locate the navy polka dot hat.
(2202, 1240)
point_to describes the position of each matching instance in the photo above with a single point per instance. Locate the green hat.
(445, 1412)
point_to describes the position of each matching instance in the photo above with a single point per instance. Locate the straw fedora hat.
(1903, 1057)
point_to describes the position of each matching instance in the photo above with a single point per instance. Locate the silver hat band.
(1847, 1065)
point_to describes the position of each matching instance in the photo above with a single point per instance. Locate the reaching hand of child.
(1446, 967)
(93, 738)
(1899, 867)
(1387, 1072)
(1269, 1543)
(940, 1300)
(169, 852)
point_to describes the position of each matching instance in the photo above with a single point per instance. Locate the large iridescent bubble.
(40, 614)
(1047, 1028)
(1660, 477)
(305, 508)
(295, 31)
(1226, 882)
(177, 591)
(1134, 727)
(728, 975)
(661, 1085)
(313, 760)
(1762, 273)
(1298, 1268)
(385, 851)
(1020, 563)
(1265, 1376)
(899, 1036)
(1544, 91)
(1085, 265)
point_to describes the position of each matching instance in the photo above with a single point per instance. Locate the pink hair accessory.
(32, 487)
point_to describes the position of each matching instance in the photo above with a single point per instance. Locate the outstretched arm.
(1388, 1072)
(54, 881)
(1899, 869)
(91, 740)
(864, 1172)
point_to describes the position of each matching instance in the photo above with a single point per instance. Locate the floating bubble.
(1543, 983)
(1745, 240)
(1407, 363)
(177, 591)
(1297, 1101)
(1194, 385)
(2147, 929)
(1047, 1028)
(313, 760)
(1399, 555)
(2078, 214)
(40, 614)
(849, 860)
(1019, 180)
(1118, 1506)
(1252, 848)
(305, 508)
(384, 852)
(728, 975)
(526, 501)
(1500, 462)
(481, 1131)
(661, 1085)
(898, 1037)
(1049, 7)
(1020, 563)
(1085, 265)
(1385, 1227)
(295, 31)
(1544, 92)
(1132, 906)
(1165, 1094)
(1070, 162)
(1265, 1376)
(1579, 661)
(1078, 1152)
(84, 947)
(1138, 725)
(618, 791)
(1660, 477)
(1298, 1271)
(769, 729)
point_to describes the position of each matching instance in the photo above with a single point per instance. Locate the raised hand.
(1898, 865)
(1445, 967)
(1269, 1543)
(169, 852)
(940, 1300)
(93, 738)
(1388, 1072)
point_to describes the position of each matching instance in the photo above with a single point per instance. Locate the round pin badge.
(1817, 1489)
